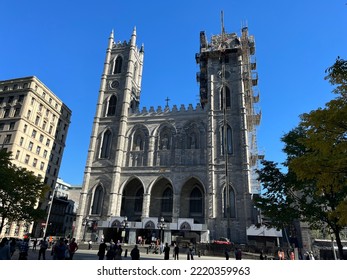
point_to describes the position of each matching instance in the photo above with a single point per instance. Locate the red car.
(222, 240)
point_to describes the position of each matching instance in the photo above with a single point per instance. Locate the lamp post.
(162, 225)
(124, 225)
(49, 211)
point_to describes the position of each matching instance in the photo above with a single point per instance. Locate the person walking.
(59, 250)
(73, 247)
(34, 244)
(43, 248)
(135, 253)
(166, 251)
(102, 250)
(176, 251)
(238, 254)
(118, 252)
(23, 249)
(5, 252)
(13, 245)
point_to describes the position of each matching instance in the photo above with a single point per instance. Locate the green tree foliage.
(20, 191)
(314, 186)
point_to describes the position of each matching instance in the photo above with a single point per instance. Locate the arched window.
(118, 65)
(97, 201)
(229, 140)
(228, 100)
(135, 72)
(112, 103)
(195, 202)
(138, 200)
(231, 203)
(106, 144)
(166, 202)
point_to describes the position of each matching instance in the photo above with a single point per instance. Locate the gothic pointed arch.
(229, 140)
(106, 140)
(161, 199)
(111, 106)
(132, 200)
(232, 202)
(98, 198)
(192, 201)
(227, 99)
(118, 65)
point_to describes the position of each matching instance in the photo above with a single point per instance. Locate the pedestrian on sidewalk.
(166, 251)
(23, 249)
(102, 250)
(13, 245)
(43, 248)
(5, 253)
(135, 253)
(73, 247)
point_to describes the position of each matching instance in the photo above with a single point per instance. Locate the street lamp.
(162, 225)
(49, 211)
(124, 225)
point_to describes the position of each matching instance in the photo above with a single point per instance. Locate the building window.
(37, 120)
(97, 200)
(21, 98)
(16, 112)
(44, 125)
(32, 101)
(231, 203)
(30, 147)
(227, 100)
(21, 141)
(2, 125)
(50, 129)
(112, 106)
(34, 162)
(10, 99)
(118, 65)
(106, 144)
(48, 142)
(229, 140)
(7, 139)
(17, 154)
(7, 113)
(45, 153)
(12, 124)
(41, 138)
(28, 114)
(33, 134)
(27, 158)
(42, 165)
(38, 150)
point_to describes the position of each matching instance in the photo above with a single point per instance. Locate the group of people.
(63, 249)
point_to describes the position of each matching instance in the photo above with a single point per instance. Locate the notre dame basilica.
(180, 173)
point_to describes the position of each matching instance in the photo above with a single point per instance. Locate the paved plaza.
(85, 254)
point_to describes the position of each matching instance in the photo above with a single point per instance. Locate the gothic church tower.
(118, 95)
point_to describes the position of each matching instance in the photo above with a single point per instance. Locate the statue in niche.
(138, 144)
(165, 143)
(192, 141)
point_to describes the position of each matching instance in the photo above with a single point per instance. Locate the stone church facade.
(173, 173)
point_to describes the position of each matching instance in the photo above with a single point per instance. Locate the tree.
(315, 185)
(20, 191)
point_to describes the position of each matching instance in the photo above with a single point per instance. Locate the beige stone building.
(173, 173)
(34, 124)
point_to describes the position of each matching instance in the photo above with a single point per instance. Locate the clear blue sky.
(63, 43)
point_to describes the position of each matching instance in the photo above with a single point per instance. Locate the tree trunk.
(339, 244)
